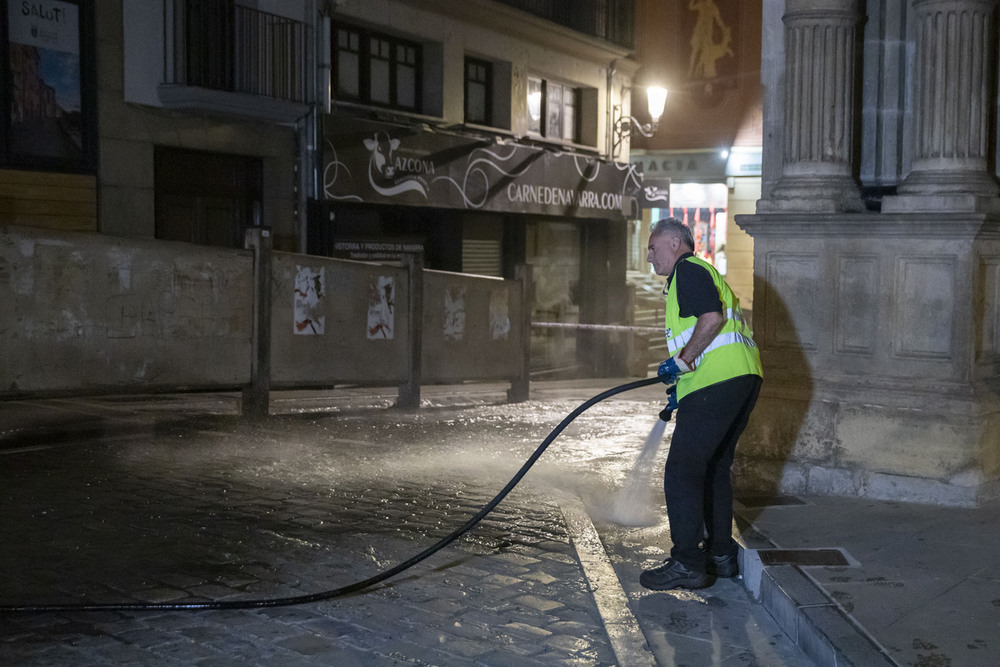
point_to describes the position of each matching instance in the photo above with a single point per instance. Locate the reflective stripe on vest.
(678, 342)
(731, 338)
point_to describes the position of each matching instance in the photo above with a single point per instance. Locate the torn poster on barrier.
(381, 308)
(454, 312)
(310, 288)
(499, 314)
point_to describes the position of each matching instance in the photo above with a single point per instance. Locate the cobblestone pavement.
(175, 500)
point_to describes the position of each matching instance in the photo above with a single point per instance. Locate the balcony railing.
(610, 20)
(219, 45)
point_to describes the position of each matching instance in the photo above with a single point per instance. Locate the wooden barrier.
(47, 200)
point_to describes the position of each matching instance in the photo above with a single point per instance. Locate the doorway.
(206, 198)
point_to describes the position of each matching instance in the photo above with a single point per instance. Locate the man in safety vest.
(716, 372)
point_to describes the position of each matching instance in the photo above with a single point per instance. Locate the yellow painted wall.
(739, 245)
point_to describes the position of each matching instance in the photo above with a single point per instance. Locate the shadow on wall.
(779, 425)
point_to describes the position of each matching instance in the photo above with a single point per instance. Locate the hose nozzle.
(668, 410)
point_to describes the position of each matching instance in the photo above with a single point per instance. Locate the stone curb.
(627, 639)
(810, 618)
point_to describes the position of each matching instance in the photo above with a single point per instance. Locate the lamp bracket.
(623, 127)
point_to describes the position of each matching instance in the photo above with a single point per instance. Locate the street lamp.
(623, 126)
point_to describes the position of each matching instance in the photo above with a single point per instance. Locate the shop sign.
(369, 162)
(682, 166)
(655, 192)
(698, 166)
(375, 249)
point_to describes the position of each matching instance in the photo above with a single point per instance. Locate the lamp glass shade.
(656, 98)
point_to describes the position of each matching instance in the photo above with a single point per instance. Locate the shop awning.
(380, 163)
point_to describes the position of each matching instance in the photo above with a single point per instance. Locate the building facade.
(877, 252)
(706, 151)
(476, 133)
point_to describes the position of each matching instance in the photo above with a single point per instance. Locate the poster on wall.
(499, 314)
(454, 312)
(310, 288)
(45, 87)
(381, 308)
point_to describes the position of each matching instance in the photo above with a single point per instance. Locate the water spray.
(364, 583)
(631, 506)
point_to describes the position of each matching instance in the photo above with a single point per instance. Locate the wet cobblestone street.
(165, 502)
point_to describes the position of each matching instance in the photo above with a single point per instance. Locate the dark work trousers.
(696, 481)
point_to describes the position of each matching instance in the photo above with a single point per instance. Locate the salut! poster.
(44, 61)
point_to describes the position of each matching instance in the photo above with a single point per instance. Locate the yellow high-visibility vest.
(731, 354)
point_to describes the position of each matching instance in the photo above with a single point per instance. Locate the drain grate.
(769, 501)
(802, 557)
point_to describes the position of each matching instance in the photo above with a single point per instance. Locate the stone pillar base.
(847, 448)
(880, 341)
(957, 189)
(944, 203)
(820, 194)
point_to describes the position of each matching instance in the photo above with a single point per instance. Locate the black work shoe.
(673, 574)
(726, 567)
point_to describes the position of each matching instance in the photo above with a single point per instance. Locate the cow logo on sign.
(389, 173)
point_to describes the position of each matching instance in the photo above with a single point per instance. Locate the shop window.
(553, 110)
(47, 86)
(378, 69)
(704, 208)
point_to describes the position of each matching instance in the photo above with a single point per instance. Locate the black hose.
(365, 583)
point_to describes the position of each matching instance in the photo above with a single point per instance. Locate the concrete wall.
(471, 327)
(82, 312)
(337, 321)
(87, 313)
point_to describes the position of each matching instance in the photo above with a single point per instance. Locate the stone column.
(953, 76)
(879, 332)
(818, 109)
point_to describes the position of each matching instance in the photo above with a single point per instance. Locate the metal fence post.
(409, 391)
(257, 393)
(520, 386)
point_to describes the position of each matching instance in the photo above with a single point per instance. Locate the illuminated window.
(553, 110)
